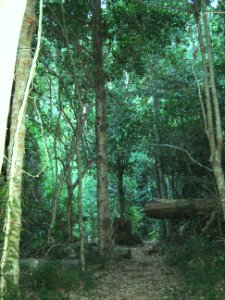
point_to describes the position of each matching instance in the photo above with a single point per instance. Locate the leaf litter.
(142, 277)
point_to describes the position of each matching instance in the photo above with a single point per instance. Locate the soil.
(141, 277)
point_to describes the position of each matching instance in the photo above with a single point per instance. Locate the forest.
(112, 149)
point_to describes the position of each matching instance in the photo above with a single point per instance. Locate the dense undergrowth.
(51, 280)
(201, 263)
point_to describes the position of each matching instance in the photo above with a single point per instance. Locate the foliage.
(137, 217)
(148, 52)
(52, 280)
(201, 263)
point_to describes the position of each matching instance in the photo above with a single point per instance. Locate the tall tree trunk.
(161, 183)
(120, 188)
(104, 227)
(10, 256)
(210, 103)
(79, 193)
(70, 190)
(161, 177)
(23, 65)
(9, 37)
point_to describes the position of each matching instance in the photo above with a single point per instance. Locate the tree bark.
(9, 36)
(169, 208)
(12, 226)
(161, 178)
(161, 183)
(70, 189)
(104, 226)
(80, 188)
(120, 188)
(23, 65)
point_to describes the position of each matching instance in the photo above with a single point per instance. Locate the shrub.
(202, 264)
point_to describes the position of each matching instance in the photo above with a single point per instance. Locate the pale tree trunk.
(9, 37)
(210, 103)
(22, 72)
(104, 227)
(12, 226)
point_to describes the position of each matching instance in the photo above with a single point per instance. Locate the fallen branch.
(164, 208)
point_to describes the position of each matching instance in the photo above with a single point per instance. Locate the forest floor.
(142, 277)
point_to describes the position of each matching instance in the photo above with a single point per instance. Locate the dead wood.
(166, 208)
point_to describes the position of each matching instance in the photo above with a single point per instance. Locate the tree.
(24, 74)
(104, 226)
(209, 102)
(9, 35)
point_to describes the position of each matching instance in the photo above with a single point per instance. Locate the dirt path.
(142, 277)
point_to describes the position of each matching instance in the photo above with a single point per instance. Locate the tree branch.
(183, 150)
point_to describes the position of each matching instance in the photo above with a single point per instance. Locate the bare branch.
(183, 150)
